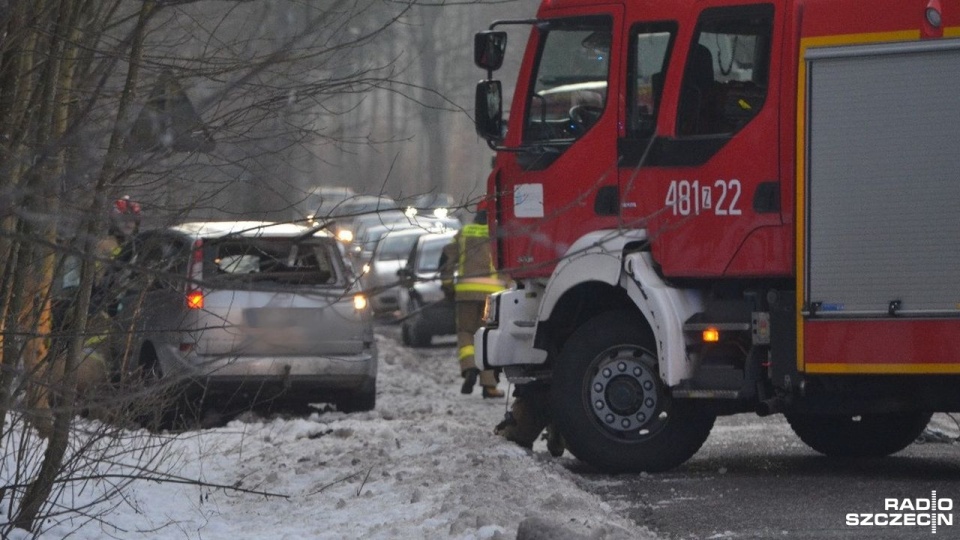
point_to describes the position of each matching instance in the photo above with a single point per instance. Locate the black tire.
(867, 435)
(405, 333)
(364, 399)
(416, 332)
(611, 406)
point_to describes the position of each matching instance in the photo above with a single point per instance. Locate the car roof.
(435, 237)
(334, 191)
(217, 229)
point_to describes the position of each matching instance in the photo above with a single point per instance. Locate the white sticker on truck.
(528, 201)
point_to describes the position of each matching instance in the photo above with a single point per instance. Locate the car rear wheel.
(866, 435)
(414, 332)
(610, 405)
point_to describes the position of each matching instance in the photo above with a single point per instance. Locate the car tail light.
(194, 275)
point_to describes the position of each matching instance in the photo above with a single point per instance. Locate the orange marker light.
(711, 335)
(195, 299)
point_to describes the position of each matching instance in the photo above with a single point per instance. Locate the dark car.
(424, 310)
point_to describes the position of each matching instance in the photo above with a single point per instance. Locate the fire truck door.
(708, 185)
(565, 122)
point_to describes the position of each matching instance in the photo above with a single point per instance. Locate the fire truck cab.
(712, 207)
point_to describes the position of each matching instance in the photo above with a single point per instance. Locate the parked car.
(369, 231)
(424, 311)
(363, 247)
(321, 200)
(342, 217)
(438, 205)
(349, 227)
(248, 311)
(380, 277)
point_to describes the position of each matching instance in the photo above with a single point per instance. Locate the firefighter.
(125, 216)
(124, 223)
(468, 276)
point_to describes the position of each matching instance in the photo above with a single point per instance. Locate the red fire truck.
(720, 206)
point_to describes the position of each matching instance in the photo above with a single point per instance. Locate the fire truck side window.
(649, 49)
(570, 85)
(725, 78)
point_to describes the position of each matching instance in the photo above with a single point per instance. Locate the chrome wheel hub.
(623, 393)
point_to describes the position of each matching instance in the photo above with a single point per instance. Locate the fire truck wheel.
(611, 406)
(867, 435)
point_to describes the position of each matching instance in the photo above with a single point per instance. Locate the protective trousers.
(469, 319)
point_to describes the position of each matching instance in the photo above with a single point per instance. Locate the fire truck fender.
(596, 256)
(665, 308)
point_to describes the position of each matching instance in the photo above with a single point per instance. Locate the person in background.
(124, 223)
(468, 276)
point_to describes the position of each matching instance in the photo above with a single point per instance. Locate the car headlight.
(359, 302)
(345, 236)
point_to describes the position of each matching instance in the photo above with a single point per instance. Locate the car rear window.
(429, 260)
(312, 261)
(395, 246)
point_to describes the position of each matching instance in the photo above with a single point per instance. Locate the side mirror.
(489, 48)
(489, 110)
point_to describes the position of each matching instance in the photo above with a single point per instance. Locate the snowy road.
(424, 464)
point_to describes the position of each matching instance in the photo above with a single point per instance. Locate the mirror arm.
(495, 24)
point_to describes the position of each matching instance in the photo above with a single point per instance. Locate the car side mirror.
(489, 48)
(489, 110)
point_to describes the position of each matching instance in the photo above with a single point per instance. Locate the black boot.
(469, 380)
(555, 444)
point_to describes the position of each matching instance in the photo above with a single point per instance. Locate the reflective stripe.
(487, 288)
(475, 230)
(465, 351)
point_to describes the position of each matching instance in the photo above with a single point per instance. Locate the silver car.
(380, 273)
(248, 311)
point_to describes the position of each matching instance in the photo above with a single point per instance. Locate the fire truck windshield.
(569, 90)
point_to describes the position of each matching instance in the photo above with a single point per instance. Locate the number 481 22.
(686, 198)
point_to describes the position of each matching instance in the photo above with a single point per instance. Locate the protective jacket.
(473, 277)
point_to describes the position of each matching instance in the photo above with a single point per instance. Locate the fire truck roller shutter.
(881, 182)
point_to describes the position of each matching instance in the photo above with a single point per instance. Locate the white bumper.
(509, 341)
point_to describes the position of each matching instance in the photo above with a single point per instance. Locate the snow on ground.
(424, 464)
